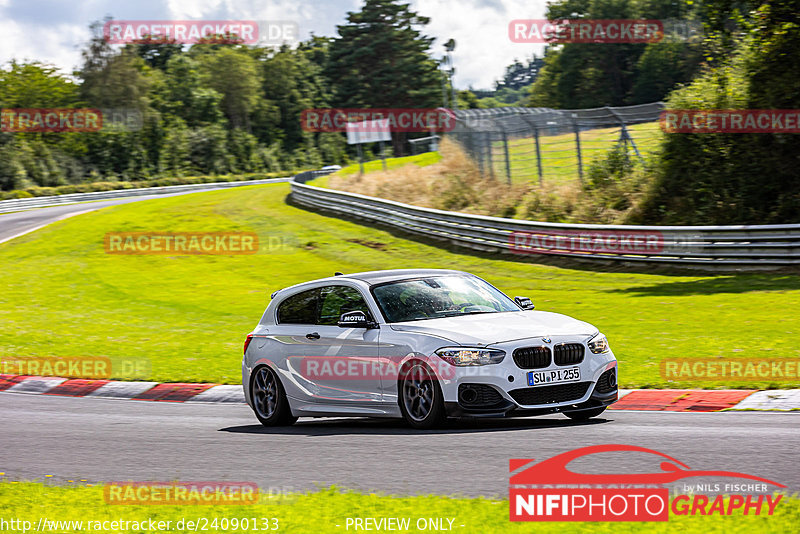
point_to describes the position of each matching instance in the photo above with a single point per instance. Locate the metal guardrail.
(711, 247)
(18, 204)
(305, 176)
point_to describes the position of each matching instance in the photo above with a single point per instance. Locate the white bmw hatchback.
(422, 345)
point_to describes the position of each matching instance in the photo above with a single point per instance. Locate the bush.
(550, 203)
(733, 178)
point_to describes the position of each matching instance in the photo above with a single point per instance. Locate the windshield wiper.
(459, 314)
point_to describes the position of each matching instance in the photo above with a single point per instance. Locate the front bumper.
(503, 390)
(510, 409)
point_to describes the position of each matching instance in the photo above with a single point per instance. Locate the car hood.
(491, 328)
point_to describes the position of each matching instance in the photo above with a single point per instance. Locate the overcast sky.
(54, 31)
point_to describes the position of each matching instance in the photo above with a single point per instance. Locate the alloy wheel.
(418, 393)
(265, 393)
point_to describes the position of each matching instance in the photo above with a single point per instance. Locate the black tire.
(269, 398)
(585, 415)
(420, 397)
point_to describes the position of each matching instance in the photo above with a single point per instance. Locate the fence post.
(538, 154)
(535, 129)
(508, 159)
(624, 135)
(578, 146)
(490, 160)
(477, 152)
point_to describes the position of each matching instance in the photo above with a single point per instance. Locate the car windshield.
(440, 296)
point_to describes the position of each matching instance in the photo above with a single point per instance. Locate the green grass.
(426, 158)
(38, 191)
(188, 315)
(328, 510)
(559, 152)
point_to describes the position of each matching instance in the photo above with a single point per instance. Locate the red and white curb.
(672, 400)
(111, 389)
(707, 400)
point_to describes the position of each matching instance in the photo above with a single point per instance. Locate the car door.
(337, 366)
(296, 317)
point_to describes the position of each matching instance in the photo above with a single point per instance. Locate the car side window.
(300, 308)
(336, 300)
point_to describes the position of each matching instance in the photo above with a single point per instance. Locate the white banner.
(368, 131)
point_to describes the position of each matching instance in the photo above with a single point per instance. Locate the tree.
(662, 67)
(157, 52)
(468, 100)
(519, 75)
(583, 75)
(113, 80)
(36, 85)
(233, 73)
(382, 60)
(183, 93)
(292, 83)
(728, 178)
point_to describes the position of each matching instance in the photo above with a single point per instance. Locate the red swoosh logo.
(554, 470)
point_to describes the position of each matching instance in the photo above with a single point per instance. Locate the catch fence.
(523, 144)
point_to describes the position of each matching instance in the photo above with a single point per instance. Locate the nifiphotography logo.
(549, 491)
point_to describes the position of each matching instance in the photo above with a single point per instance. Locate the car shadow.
(734, 284)
(367, 426)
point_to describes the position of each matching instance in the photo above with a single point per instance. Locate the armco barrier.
(710, 247)
(17, 204)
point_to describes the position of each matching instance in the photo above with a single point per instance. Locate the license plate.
(556, 376)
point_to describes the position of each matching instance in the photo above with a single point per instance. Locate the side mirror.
(355, 319)
(524, 302)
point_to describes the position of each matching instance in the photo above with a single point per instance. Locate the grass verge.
(91, 187)
(188, 315)
(420, 160)
(328, 510)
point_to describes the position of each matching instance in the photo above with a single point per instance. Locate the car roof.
(378, 277)
(392, 275)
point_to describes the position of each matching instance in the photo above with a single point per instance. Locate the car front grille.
(604, 383)
(550, 394)
(568, 353)
(532, 357)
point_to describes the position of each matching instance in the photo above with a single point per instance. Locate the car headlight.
(598, 344)
(465, 356)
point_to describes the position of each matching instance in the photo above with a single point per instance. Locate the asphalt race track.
(114, 440)
(18, 223)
